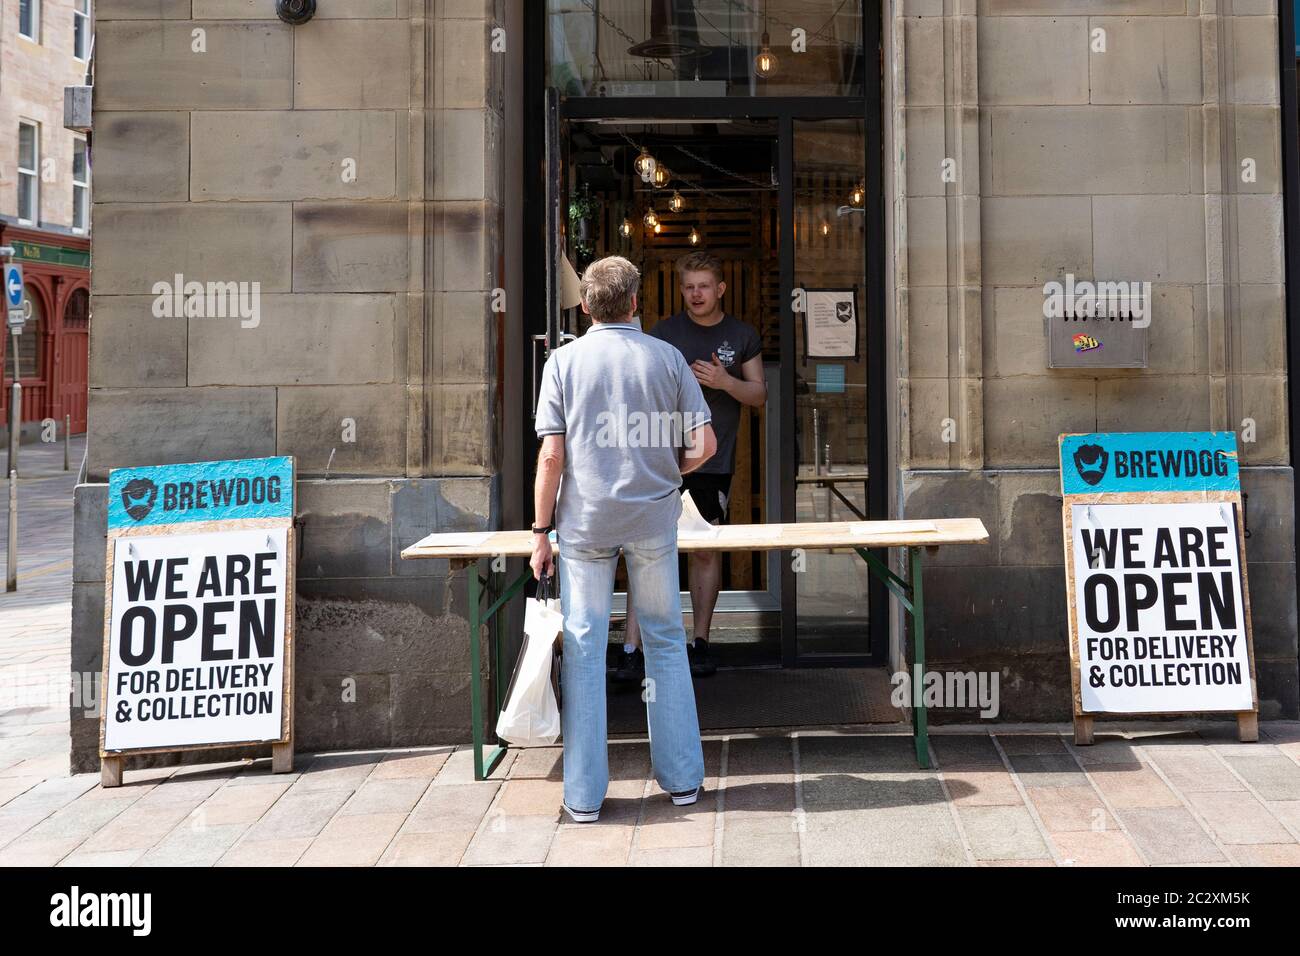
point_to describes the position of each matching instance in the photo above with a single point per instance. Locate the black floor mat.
(771, 697)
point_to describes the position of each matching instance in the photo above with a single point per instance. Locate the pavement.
(1154, 794)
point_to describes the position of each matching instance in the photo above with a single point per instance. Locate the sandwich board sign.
(1156, 577)
(198, 615)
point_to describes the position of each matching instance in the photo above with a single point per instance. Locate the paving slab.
(1002, 833)
(1274, 776)
(504, 839)
(1169, 835)
(890, 836)
(1238, 818)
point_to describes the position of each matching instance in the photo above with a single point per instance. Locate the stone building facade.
(366, 170)
(1127, 163)
(43, 48)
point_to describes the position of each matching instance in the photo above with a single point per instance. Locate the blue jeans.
(586, 592)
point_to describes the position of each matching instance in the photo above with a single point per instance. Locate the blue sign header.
(206, 491)
(1149, 461)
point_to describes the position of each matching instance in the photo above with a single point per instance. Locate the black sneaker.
(631, 667)
(582, 816)
(701, 663)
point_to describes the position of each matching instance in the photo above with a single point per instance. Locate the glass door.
(830, 358)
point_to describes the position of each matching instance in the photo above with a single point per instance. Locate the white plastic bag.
(531, 716)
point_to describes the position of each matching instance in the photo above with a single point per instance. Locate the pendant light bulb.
(826, 228)
(625, 228)
(651, 218)
(645, 165)
(765, 64)
(694, 237)
(677, 203)
(659, 227)
(858, 195)
(661, 176)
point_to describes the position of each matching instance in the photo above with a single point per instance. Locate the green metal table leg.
(920, 719)
(484, 763)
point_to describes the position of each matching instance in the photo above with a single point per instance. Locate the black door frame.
(785, 110)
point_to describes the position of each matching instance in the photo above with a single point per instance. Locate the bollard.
(11, 566)
(67, 439)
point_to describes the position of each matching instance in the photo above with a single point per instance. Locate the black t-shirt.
(735, 343)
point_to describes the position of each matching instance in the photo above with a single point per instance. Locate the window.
(29, 19)
(29, 343)
(76, 315)
(80, 187)
(678, 48)
(81, 29)
(29, 164)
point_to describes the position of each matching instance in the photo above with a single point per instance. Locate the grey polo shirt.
(624, 402)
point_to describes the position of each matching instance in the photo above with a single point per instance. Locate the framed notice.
(198, 616)
(831, 323)
(1159, 608)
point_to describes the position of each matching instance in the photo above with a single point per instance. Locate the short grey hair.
(608, 287)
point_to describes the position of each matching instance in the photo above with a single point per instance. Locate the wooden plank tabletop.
(817, 535)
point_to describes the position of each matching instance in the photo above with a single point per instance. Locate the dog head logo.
(138, 497)
(844, 311)
(1091, 460)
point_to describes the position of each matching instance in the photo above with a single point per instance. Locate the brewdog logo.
(207, 491)
(1117, 462)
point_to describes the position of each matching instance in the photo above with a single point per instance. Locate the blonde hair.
(608, 287)
(700, 260)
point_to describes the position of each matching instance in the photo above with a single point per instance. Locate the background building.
(45, 45)
(379, 174)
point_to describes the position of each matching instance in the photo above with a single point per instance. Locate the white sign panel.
(196, 639)
(1158, 601)
(832, 323)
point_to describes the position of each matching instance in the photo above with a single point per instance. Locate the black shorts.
(711, 494)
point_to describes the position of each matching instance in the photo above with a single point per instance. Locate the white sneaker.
(686, 797)
(582, 816)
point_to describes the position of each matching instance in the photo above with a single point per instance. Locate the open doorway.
(714, 188)
(782, 181)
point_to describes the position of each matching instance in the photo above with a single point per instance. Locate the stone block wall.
(1109, 140)
(350, 168)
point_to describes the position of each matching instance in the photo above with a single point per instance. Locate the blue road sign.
(14, 285)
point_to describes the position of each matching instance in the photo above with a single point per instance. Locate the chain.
(719, 169)
(820, 32)
(695, 185)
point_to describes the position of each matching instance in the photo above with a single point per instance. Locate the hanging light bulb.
(677, 203)
(858, 195)
(765, 64)
(625, 227)
(826, 228)
(651, 218)
(645, 165)
(694, 237)
(661, 177)
(659, 227)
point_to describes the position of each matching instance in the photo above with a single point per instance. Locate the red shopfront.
(54, 349)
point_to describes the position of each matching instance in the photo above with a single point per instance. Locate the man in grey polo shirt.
(621, 419)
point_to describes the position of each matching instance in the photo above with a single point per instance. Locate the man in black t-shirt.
(726, 356)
